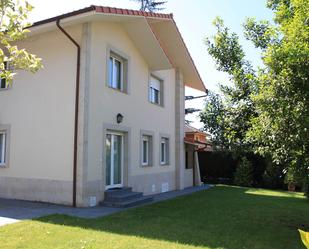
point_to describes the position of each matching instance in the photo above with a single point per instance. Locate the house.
(106, 111)
(200, 138)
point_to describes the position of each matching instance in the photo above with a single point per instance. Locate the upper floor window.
(3, 82)
(3, 148)
(117, 71)
(155, 90)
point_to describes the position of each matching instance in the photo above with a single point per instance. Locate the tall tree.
(282, 126)
(151, 5)
(229, 118)
(268, 109)
(13, 23)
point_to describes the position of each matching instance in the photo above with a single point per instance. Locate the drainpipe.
(76, 111)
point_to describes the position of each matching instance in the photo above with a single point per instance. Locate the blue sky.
(194, 22)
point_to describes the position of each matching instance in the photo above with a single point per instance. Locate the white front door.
(114, 160)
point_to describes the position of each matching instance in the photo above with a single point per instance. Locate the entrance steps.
(124, 198)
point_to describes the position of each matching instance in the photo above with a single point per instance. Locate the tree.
(268, 110)
(244, 173)
(13, 23)
(228, 117)
(213, 118)
(282, 126)
(151, 5)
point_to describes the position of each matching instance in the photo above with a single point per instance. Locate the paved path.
(12, 211)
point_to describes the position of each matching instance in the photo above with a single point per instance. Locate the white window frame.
(112, 82)
(5, 155)
(3, 160)
(145, 140)
(152, 89)
(165, 156)
(124, 59)
(146, 135)
(163, 151)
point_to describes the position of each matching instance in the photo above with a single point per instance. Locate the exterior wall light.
(119, 118)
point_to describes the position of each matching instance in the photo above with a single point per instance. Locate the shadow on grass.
(222, 217)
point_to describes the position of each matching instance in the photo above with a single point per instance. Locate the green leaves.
(13, 23)
(260, 33)
(266, 111)
(234, 111)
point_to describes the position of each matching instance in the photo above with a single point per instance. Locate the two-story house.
(105, 112)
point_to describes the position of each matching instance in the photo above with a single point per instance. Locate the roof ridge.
(107, 10)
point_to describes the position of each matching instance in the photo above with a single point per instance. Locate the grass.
(222, 217)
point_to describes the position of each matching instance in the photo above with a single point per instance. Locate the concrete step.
(128, 203)
(117, 191)
(123, 196)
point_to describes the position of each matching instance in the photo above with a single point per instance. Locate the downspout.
(76, 111)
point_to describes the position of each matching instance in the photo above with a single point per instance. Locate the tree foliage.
(268, 109)
(151, 5)
(229, 118)
(244, 173)
(13, 23)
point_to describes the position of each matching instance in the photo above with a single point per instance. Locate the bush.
(273, 176)
(216, 165)
(244, 173)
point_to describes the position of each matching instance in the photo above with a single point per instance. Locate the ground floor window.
(146, 148)
(164, 151)
(3, 148)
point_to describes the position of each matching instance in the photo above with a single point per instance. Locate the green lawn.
(221, 217)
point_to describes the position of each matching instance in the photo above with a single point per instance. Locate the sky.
(194, 21)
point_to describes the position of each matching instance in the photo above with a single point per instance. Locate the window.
(145, 160)
(4, 145)
(155, 91)
(2, 148)
(3, 82)
(164, 151)
(146, 151)
(117, 71)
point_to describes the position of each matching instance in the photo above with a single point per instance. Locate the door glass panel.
(108, 159)
(117, 158)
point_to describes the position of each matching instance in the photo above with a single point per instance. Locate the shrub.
(273, 176)
(244, 173)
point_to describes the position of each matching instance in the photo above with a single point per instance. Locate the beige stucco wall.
(40, 111)
(139, 114)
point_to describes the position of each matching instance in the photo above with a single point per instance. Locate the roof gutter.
(76, 110)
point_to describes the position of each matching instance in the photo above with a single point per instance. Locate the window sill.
(164, 164)
(117, 90)
(159, 105)
(146, 165)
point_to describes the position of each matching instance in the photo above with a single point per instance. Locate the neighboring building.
(200, 138)
(116, 119)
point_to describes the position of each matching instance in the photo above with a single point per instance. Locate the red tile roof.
(106, 10)
(101, 9)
